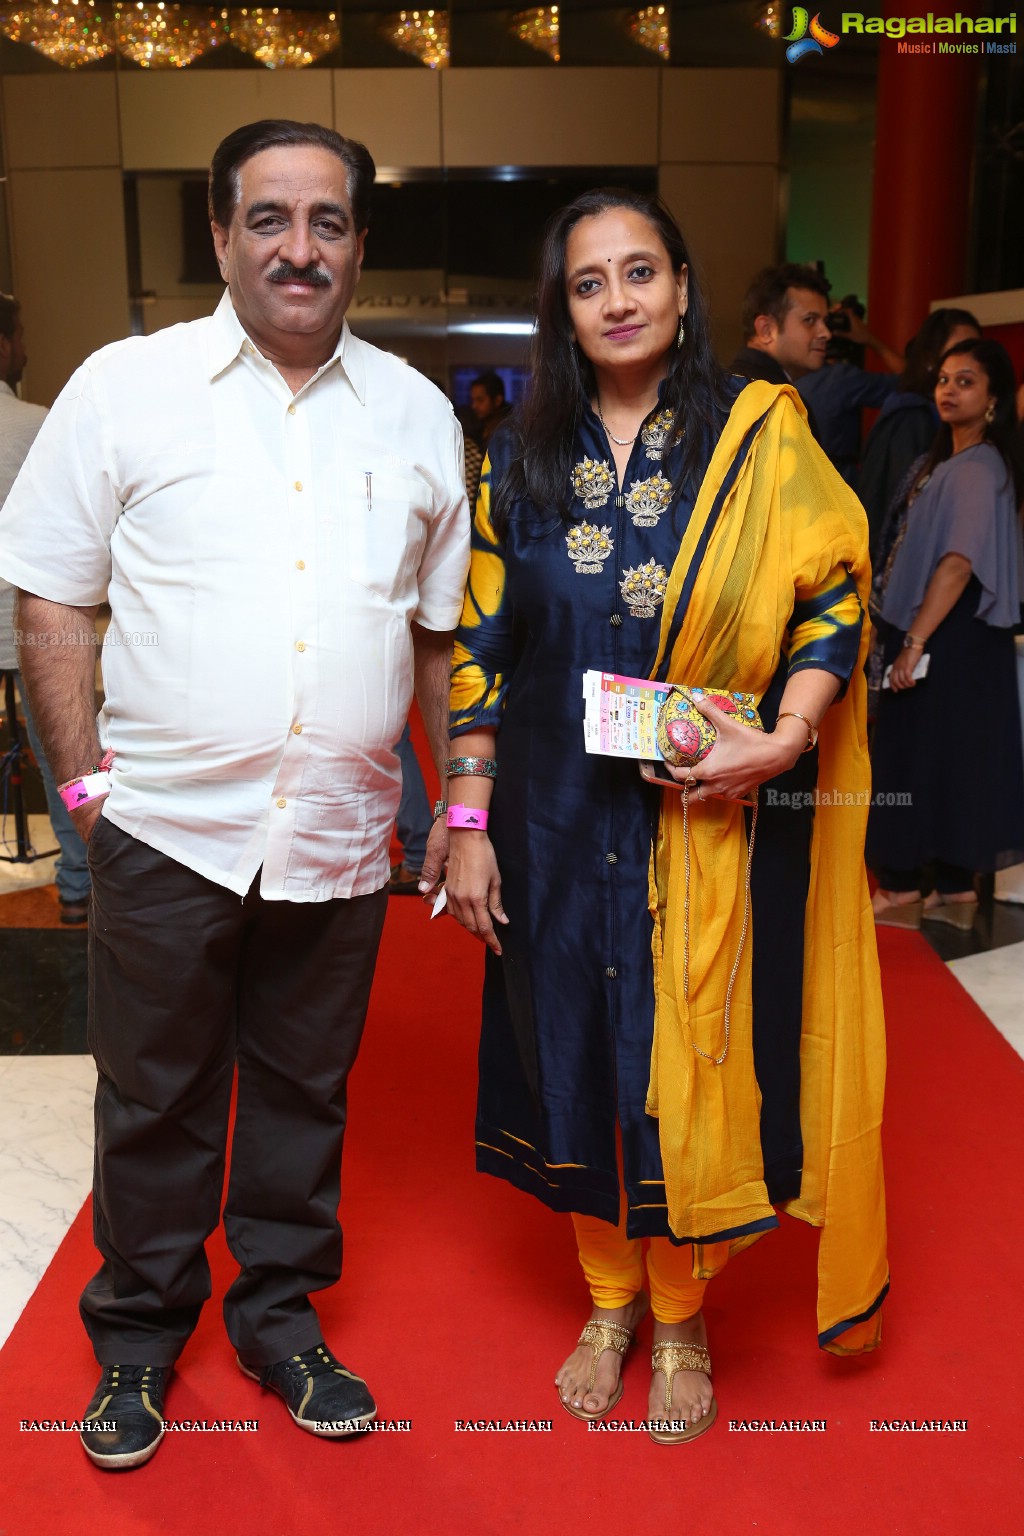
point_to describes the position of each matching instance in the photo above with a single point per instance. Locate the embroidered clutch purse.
(685, 736)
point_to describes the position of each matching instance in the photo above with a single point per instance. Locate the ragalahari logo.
(800, 43)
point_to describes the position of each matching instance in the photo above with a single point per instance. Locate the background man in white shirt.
(277, 512)
(19, 423)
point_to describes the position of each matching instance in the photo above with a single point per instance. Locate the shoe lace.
(312, 1363)
(127, 1378)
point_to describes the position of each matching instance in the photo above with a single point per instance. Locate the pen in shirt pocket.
(369, 489)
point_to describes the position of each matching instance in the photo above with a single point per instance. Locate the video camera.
(840, 348)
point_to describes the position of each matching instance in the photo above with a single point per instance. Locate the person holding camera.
(792, 336)
(840, 390)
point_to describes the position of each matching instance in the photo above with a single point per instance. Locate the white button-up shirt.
(263, 554)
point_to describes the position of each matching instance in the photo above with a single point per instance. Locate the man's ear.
(220, 246)
(765, 330)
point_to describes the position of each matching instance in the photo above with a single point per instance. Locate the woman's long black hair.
(1001, 431)
(928, 346)
(562, 379)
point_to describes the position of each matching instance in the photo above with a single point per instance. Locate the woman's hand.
(902, 675)
(474, 885)
(742, 758)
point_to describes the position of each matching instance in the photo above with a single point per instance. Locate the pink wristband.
(92, 786)
(467, 816)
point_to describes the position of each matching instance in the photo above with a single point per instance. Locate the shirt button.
(282, 804)
(612, 858)
(616, 620)
(291, 410)
(300, 565)
(610, 972)
(298, 485)
(296, 730)
(300, 645)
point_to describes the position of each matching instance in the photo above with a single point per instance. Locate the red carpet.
(461, 1297)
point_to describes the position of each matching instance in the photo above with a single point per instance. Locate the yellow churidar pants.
(614, 1268)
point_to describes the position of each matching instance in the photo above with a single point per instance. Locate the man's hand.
(859, 333)
(436, 858)
(86, 817)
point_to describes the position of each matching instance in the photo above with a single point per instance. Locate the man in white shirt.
(276, 510)
(19, 423)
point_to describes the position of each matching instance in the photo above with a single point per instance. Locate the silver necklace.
(623, 442)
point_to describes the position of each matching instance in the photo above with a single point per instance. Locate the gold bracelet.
(812, 730)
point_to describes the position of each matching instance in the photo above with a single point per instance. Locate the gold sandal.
(600, 1336)
(900, 914)
(958, 914)
(669, 1357)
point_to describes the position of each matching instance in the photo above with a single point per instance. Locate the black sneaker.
(127, 1410)
(321, 1395)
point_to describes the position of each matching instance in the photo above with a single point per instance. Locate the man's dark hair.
(9, 311)
(491, 382)
(767, 293)
(276, 132)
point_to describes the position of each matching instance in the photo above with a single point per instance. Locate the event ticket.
(621, 714)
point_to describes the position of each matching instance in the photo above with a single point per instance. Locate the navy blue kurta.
(568, 1012)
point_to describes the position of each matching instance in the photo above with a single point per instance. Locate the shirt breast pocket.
(385, 515)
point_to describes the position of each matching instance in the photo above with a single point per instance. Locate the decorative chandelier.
(70, 34)
(768, 18)
(539, 28)
(649, 28)
(423, 34)
(285, 39)
(166, 36)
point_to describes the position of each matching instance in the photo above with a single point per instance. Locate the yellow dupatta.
(787, 521)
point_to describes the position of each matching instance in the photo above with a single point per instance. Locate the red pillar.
(924, 153)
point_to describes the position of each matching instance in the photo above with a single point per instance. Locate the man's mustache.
(315, 276)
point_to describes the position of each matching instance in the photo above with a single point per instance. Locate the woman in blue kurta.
(583, 509)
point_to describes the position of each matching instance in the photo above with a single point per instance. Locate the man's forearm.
(894, 361)
(432, 652)
(57, 659)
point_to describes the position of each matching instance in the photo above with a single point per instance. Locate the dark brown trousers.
(186, 980)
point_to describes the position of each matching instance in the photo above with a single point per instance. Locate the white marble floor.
(45, 1166)
(21, 877)
(996, 982)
